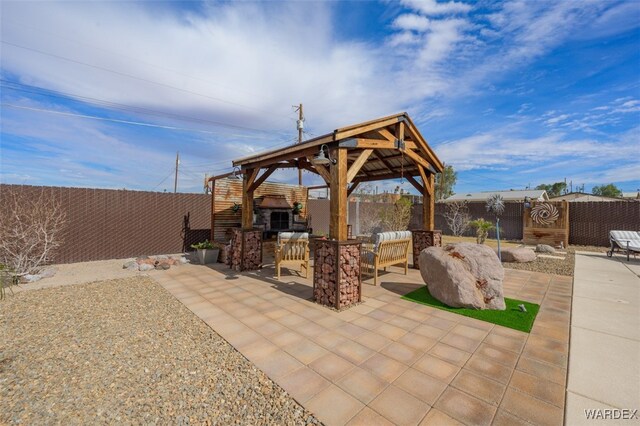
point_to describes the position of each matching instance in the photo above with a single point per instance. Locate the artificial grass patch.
(511, 317)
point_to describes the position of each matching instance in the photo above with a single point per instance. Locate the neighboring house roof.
(577, 197)
(633, 194)
(513, 195)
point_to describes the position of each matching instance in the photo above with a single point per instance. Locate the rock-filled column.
(336, 273)
(423, 239)
(245, 253)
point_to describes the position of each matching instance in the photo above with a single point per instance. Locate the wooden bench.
(292, 249)
(388, 248)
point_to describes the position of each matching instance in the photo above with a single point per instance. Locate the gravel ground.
(546, 265)
(125, 351)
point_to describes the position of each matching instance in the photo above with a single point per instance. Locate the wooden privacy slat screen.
(229, 191)
(554, 233)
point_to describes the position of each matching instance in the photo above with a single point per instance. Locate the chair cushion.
(293, 236)
(626, 239)
(388, 236)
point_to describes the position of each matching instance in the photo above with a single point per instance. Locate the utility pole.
(175, 181)
(300, 124)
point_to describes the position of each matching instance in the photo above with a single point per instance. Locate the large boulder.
(463, 275)
(517, 255)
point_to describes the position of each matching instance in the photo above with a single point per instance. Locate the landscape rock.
(130, 265)
(146, 267)
(464, 275)
(162, 266)
(544, 248)
(31, 278)
(518, 255)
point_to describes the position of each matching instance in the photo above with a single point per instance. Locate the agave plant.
(482, 228)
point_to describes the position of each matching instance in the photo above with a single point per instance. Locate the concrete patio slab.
(604, 363)
(388, 360)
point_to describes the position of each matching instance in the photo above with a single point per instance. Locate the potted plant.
(207, 251)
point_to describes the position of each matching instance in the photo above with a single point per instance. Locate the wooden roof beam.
(263, 177)
(415, 184)
(357, 164)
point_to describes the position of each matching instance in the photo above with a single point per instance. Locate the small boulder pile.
(159, 263)
(464, 275)
(42, 273)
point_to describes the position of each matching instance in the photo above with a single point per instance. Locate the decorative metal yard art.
(544, 214)
(495, 205)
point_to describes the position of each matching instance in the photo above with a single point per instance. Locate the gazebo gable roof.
(387, 155)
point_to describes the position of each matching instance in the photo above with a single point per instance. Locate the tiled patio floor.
(390, 361)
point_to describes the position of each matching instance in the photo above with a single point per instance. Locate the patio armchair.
(292, 249)
(387, 249)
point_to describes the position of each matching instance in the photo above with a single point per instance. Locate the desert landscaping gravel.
(125, 351)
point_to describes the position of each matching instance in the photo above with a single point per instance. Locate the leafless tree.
(31, 229)
(457, 217)
(369, 216)
(396, 216)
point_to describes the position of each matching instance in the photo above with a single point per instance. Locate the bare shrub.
(396, 217)
(457, 217)
(369, 217)
(31, 229)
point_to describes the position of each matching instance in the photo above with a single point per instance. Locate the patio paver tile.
(349, 330)
(502, 356)
(429, 331)
(504, 418)
(305, 351)
(303, 384)
(480, 387)
(373, 340)
(450, 354)
(291, 320)
(380, 315)
(531, 409)
(402, 353)
(435, 367)
(353, 352)
(436, 417)
(332, 366)
(362, 384)
(333, 406)
(390, 331)
(461, 342)
(259, 349)
(557, 358)
(418, 341)
(278, 364)
(384, 367)
(330, 339)
(269, 328)
(399, 406)
(536, 368)
(489, 368)
(285, 338)
(330, 322)
(465, 408)
(368, 417)
(367, 322)
(470, 332)
(509, 343)
(420, 385)
(542, 389)
(404, 323)
(310, 329)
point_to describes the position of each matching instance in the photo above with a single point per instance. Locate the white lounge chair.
(626, 241)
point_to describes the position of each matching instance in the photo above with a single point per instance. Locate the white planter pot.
(206, 256)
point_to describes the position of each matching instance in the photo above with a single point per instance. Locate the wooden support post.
(212, 236)
(247, 199)
(338, 202)
(428, 204)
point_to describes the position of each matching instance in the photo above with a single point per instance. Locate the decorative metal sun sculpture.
(544, 213)
(495, 204)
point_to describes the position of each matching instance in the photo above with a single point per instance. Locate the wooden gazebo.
(386, 148)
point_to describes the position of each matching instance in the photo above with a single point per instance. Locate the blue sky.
(103, 94)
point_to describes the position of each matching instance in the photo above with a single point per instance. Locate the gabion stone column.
(336, 273)
(246, 250)
(423, 239)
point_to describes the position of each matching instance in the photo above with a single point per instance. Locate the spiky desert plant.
(482, 228)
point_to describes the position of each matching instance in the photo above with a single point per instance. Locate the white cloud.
(410, 21)
(433, 8)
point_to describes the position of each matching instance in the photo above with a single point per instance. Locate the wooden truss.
(387, 148)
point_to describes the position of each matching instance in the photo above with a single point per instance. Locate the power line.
(121, 107)
(114, 120)
(139, 78)
(131, 58)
